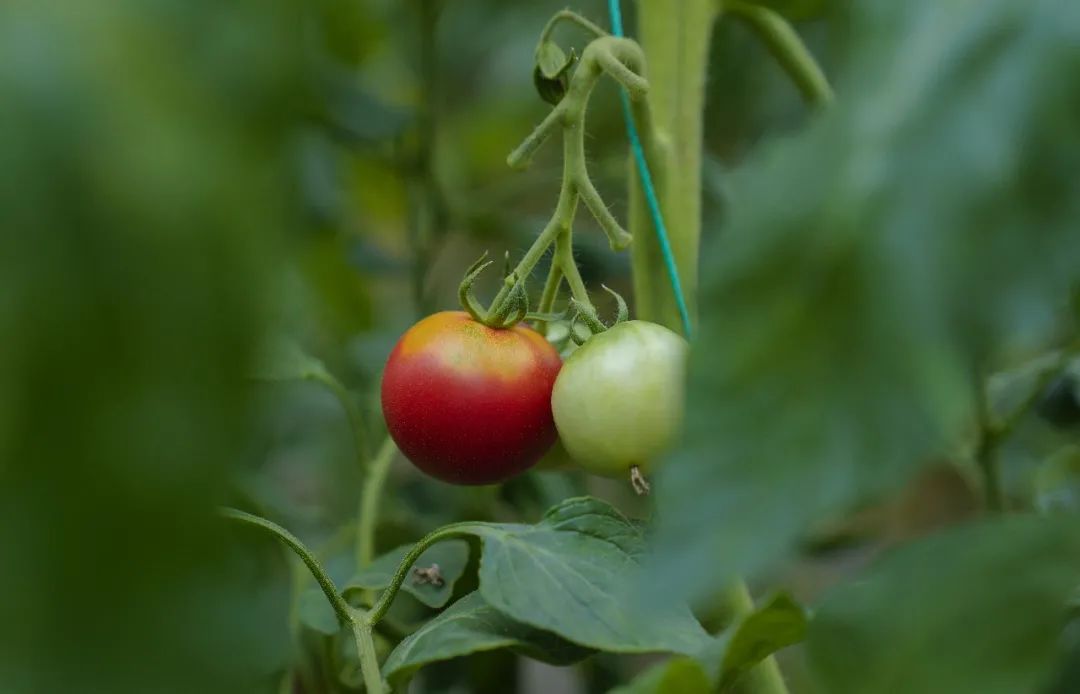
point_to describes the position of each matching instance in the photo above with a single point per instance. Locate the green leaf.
(928, 218)
(575, 573)
(1057, 481)
(978, 609)
(681, 675)
(551, 74)
(779, 623)
(450, 556)
(468, 626)
(316, 613)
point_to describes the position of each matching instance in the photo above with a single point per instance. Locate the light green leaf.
(468, 626)
(681, 675)
(779, 623)
(450, 556)
(575, 573)
(978, 609)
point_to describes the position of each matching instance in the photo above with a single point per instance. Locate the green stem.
(788, 49)
(360, 623)
(675, 37)
(564, 257)
(551, 291)
(379, 609)
(341, 608)
(365, 648)
(368, 513)
(573, 17)
(623, 61)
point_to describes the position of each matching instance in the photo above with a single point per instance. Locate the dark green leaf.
(450, 556)
(574, 573)
(551, 74)
(927, 218)
(979, 609)
(315, 612)
(468, 626)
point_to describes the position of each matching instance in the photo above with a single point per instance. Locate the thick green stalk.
(674, 34)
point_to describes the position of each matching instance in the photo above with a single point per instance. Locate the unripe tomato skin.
(618, 401)
(469, 404)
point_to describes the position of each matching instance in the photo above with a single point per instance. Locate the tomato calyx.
(587, 314)
(509, 312)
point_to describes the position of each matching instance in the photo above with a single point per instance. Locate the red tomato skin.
(469, 404)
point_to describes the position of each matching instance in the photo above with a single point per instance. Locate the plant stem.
(359, 622)
(379, 609)
(341, 608)
(368, 514)
(788, 49)
(573, 17)
(551, 291)
(621, 59)
(675, 37)
(365, 649)
(564, 256)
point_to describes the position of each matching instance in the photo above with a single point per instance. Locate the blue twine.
(647, 185)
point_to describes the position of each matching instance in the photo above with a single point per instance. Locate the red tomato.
(469, 404)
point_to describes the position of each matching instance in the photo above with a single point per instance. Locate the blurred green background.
(183, 182)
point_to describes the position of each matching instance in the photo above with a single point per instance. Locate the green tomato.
(618, 400)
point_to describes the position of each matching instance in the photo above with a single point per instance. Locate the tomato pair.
(469, 404)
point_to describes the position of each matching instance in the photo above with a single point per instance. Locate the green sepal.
(465, 290)
(551, 71)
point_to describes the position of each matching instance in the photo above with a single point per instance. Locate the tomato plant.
(467, 403)
(841, 426)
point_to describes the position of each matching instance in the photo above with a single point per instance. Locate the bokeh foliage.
(182, 182)
(145, 192)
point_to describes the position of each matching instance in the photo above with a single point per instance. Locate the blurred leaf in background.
(144, 195)
(869, 266)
